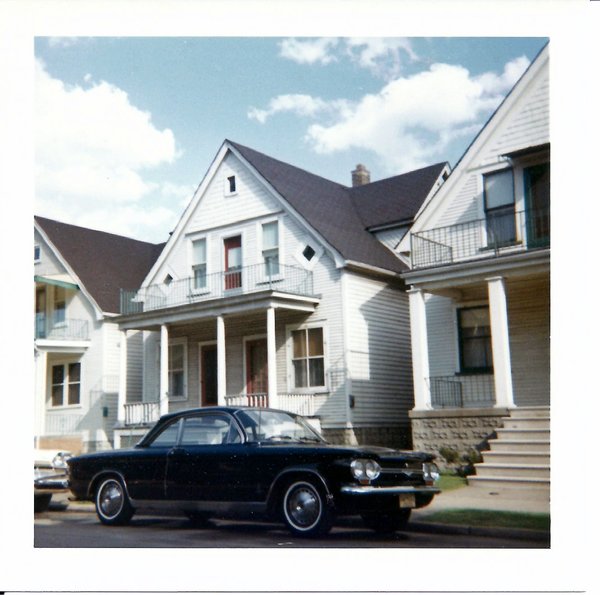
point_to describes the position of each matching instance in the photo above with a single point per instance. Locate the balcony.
(240, 281)
(499, 234)
(68, 329)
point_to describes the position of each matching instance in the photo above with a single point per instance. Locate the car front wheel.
(305, 510)
(387, 522)
(112, 504)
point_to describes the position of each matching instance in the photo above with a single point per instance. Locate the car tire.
(112, 503)
(305, 509)
(41, 502)
(386, 523)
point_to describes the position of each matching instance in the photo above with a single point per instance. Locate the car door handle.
(178, 452)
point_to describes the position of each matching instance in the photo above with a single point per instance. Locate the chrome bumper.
(374, 490)
(52, 483)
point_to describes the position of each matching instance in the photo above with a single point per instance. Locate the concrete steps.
(518, 461)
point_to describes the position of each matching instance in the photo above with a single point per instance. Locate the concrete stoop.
(518, 462)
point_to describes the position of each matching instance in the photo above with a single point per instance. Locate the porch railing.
(69, 329)
(302, 404)
(244, 280)
(61, 424)
(497, 235)
(462, 391)
(141, 413)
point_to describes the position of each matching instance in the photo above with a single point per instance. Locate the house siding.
(379, 360)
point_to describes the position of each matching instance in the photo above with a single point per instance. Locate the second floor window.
(499, 203)
(475, 339)
(270, 248)
(199, 263)
(60, 305)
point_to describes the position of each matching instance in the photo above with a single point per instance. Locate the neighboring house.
(77, 275)
(480, 296)
(278, 287)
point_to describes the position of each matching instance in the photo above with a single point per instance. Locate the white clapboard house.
(479, 254)
(77, 275)
(280, 288)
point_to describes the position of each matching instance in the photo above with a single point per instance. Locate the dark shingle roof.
(341, 214)
(395, 199)
(104, 262)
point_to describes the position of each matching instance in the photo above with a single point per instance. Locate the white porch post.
(122, 397)
(164, 370)
(221, 374)
(41, 374)
(420, 349)
(271, 360)
(500, 342)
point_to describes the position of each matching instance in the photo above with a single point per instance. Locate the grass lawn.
(491, 518)
(450, 481)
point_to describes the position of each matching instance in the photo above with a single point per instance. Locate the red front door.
(257, 370)
(233, 262)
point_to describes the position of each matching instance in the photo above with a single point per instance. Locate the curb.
(504, 532)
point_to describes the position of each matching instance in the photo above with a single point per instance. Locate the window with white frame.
(230, 185)
(60, 305)
(37, 253)
(177, 369)
(270, 248)
(499, 203)
(308, 358)
(199, 263)
(475, 340)
(66, 385)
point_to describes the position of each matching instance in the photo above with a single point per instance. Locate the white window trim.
(185, 397)
(190, 258)
(37, 248)
(305, 241)
(65, 406)
(456, 306)
(291, 388)
(226, 191)
(280, 244)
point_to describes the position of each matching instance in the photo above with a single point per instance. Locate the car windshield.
(262, 425)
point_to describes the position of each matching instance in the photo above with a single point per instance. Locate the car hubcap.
(110, 500)
(303, 507)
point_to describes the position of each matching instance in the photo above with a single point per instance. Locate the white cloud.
(94, 150)
(413, 119)
(301, 105)
(309, 51)
(63, 42)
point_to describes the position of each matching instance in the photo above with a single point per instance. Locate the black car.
(233, 462)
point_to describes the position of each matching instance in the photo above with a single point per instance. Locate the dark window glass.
(308, 253)
(308, 358)
(231, 181)
(499, 196)
(475, 340)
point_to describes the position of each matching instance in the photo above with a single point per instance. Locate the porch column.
(164, 370)
(271, 360)
(122, 398)
(221, 374)
(41, 375)
(500, 342)
(420, 349)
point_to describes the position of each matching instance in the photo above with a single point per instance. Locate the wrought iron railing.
(462, 391)
(69, 329)
(501, 232)
(250, 279)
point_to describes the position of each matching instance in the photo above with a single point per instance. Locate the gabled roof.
(341, 215)
(103, 262)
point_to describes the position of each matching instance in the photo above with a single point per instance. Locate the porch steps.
(518, 462)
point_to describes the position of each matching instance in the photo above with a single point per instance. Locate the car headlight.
(60, 460)
(431, 473)
(365, 469)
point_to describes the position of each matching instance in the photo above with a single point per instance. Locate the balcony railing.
(244, 280)
(61, 424)
(499, 234)
(301, 404)
(462, 391)
(68, 329)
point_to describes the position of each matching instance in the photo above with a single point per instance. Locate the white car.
(49, 476)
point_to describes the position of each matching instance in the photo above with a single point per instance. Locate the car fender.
(106, 473)
(299, 470)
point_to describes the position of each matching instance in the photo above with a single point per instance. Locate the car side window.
(209, 429)
(168, 437)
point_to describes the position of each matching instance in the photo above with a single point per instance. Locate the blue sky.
(126, 127)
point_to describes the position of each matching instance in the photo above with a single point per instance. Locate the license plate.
(406, 500)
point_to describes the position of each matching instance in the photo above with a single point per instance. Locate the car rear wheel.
(387, 522)
(112, 504)
(41, 502)
(305, 510)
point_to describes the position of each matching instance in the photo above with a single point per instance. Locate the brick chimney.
(361, 175)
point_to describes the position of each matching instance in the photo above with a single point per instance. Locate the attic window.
(37, 254)
(230, 185)
(308, 253)
(168, 280)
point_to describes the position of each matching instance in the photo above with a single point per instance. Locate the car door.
(207, 463)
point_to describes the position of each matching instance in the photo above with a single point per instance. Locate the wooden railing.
(141, 413)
